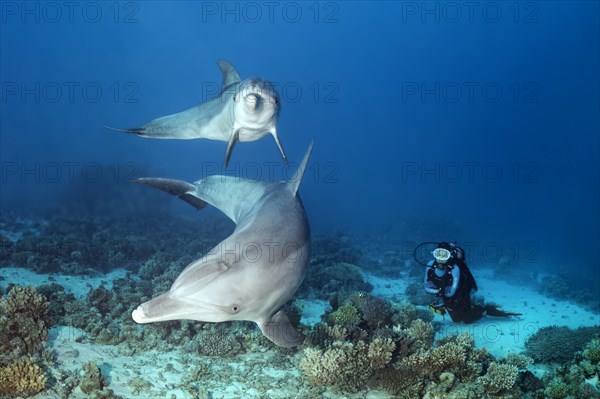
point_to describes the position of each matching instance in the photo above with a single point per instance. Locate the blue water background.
(383, 88)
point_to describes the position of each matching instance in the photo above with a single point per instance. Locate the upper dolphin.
(244, 111)
(252, 273)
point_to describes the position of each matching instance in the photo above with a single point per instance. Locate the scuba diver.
(448, 277)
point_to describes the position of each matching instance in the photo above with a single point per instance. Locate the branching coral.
(450, 355)
(400, 380)
(217, 340)
(499, 377)
(24, 323)
(518, 360)
(345, 316)
(592, 351)
(422, 332)
(380, 352)
(376, 312)
(346, 366)
(21, 378)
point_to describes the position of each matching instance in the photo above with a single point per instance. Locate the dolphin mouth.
(164, 308)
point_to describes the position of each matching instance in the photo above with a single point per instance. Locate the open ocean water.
(299, 274)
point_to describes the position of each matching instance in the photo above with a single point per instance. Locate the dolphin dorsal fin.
(230, 76)
(294, 183)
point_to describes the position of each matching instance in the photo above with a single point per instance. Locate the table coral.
(21, 378)
(559, 344)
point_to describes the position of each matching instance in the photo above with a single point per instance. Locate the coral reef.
(499, 377)
(322, 280)
(416, 294)
(24, 323)
(592, 351)
(519, 360)
(92, 380)
(22, 378)
(346, 366)
(575, 378)
(73, 243)
(376, 312)
(334, 249)
(214, 340)
(558, 344)
(345, 316)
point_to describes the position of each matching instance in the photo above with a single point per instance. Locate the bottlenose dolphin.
(252, 273)
(244, 111)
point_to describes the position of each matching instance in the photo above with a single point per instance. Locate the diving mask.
(441, 255)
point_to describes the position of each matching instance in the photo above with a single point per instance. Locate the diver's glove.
(437, 308)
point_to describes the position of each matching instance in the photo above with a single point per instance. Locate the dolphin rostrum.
(252, 273)
(244, 111)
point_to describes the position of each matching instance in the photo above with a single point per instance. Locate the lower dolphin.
(252, 273)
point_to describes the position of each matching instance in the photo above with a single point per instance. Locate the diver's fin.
(280, 331)
(294, 183)
(491, 310)
(230, 76)
(179, 188)
(234, 138)
(140, 131)
(274, 133)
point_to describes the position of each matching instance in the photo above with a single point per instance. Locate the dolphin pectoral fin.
(230, 76)
(179, 188)
(140, 131)
(280, 331)
(274, 133)
(234, 138)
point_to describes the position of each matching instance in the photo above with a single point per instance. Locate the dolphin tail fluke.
(230, 76)
(140, 131)
(294, 183)
(276, 137)
(280, 331)
(179, 188)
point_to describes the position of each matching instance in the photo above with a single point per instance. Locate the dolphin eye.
(235, 308)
